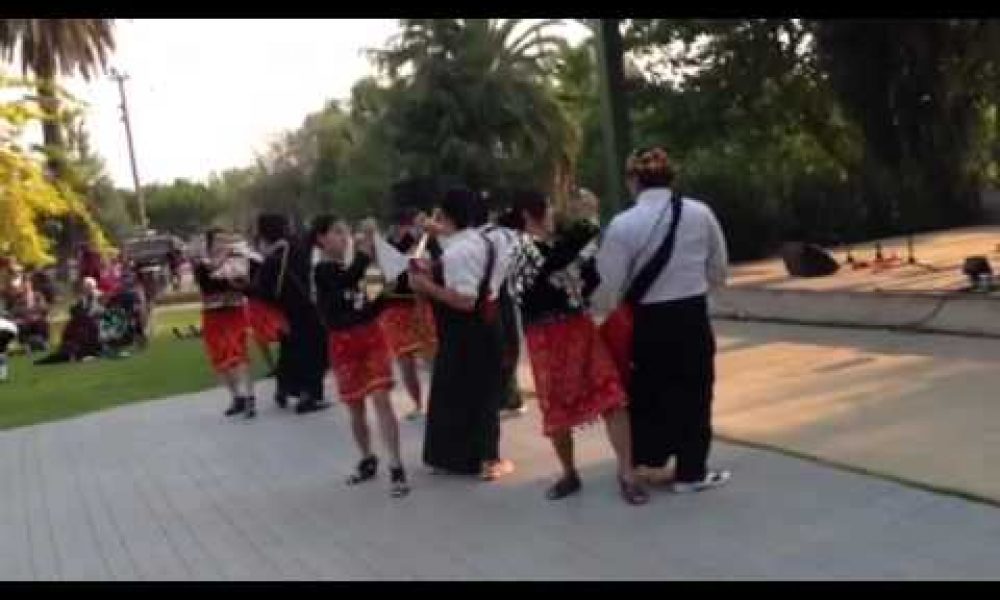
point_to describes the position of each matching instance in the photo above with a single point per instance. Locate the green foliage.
(473, 103)
(791, 128)
(918, 90)
(182, 208)
(28, 198)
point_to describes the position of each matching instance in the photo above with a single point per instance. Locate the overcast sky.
(204, 95)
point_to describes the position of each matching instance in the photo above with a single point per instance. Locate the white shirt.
(505, 241)
(699, 261)
(463, 262)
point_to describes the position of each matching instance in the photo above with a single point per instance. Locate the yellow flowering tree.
(27, 195)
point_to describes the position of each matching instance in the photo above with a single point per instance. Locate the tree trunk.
(55, 152)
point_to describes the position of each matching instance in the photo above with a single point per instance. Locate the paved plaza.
(169, 489)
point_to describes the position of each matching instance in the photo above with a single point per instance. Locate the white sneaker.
(712, 479)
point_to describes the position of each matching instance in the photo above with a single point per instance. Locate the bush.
(762, 201)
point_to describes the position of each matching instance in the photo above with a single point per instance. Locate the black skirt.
(463, 426)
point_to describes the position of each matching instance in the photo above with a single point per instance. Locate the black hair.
(480, 210)
(511, 219)
(320, 225)
(272, 227)
(459, 205)
(210, 236)
(651, 167)
(406, 215)
(532, 202)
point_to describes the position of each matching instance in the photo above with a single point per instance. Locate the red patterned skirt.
(575, 378)
(266, 321)
(617, 332)
(361, 361)
(399, 323)
(224, 331)
(426, 328)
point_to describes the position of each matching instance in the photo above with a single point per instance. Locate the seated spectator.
(125, 316)
(81, 336)
(41, 281)
(29, 311)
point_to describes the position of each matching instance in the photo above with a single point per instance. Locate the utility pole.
(120, 78)
(614, 109)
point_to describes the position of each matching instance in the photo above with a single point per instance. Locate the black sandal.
(366, 470)
(399, 487)
(569, 484)
(632, 492)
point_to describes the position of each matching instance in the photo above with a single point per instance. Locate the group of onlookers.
(108, 315)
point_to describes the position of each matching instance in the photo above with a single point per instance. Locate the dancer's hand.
(420, 281)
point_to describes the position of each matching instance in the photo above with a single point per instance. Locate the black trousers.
(671, 390)
(302, 357)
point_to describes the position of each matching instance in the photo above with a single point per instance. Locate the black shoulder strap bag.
(652, 269)
(617, 331)
(483, 306)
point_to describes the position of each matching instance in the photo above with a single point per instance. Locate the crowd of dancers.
(458, 289)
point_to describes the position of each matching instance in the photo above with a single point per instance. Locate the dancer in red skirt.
(358, 351)
(222, 278)
(400, 319)
(575, 379)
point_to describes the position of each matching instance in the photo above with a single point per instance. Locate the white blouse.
(698, 264)
(463, 262)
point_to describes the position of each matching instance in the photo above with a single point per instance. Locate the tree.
(475, 104)
(27, 196)
(920, 91)
(183, 208)
(48, 48)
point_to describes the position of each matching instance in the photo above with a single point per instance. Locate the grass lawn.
(35, 394)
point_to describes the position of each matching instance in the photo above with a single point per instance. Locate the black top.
(551, 278)
(341, 295)
(263, 282)
(284, 276)
(405, 244)
(216, 293)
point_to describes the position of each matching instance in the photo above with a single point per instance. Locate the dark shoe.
(281, 400)
(239, 405)
(366, 470)
(632, 493)
(251, 410)
(569, 484)
(400, 488)
(309, 405)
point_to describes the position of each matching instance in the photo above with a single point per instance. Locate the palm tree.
(49, 48)
(478, 103)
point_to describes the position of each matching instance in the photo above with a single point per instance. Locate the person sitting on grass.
(123, 323)
(29, 310)
(81, 336)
